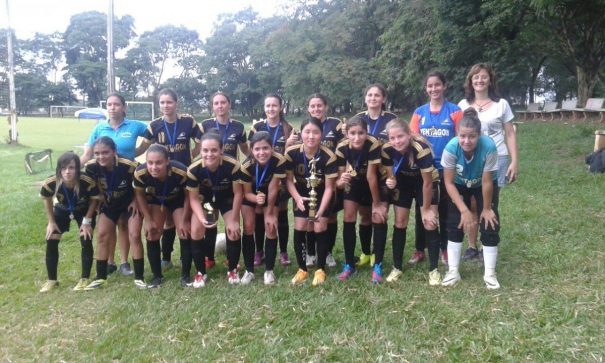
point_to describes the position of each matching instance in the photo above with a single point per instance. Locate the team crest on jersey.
(446, 122)
(122, 184)
(330, 134)
(126, 134)
(459, 169)
(182, 136)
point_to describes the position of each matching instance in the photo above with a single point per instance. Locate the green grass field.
(551, 307)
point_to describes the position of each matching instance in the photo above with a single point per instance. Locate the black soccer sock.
(168, 237)
(52, 258)
(86, 256)
(299, 248)
(311, 250)
(139, 268)
(154, 256)
(434, 240)
(443, 213)
(185, 257)
(399, 236)
(210, 242)
(197, 252)
(259, 232)
(283, 230)
(419, 231)
(322, 248)
(270, 253)
(101, 270)
(348, 238)
(234, 249)
(332, 231)
(380, 241)
(248, 251)
(365, 238)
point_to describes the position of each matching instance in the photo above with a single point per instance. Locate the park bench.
(548, 111)
(594, 106)
(570, 108)
(532, 110)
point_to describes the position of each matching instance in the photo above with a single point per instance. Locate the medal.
(71, 216)
(353, 172)
(469, 184)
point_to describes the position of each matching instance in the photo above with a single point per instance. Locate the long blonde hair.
(398, 123)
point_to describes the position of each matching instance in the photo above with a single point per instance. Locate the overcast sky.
(46, 16)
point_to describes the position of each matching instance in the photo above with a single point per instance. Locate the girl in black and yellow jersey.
(302, 161)
(159, 186)
(261, 175)
(331, 135)
(213, 184)
(232, 135)
(75, 197)
(412, 175)
(282, 136)
(176, 133)
(358, 161)
(113, 176)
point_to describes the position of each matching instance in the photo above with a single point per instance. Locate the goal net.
(64, 111)
(136, 110)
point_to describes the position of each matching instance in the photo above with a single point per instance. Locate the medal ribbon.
(171, 138)
(109, 181)
(356, 165)
(396, 169)
(226, 134)
(70, 203)
(275, 133)
(378, 122)
(262, 177)
(214, 180)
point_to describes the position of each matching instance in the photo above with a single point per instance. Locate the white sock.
(490, 256)
(454, 249)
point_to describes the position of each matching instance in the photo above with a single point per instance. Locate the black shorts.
(63, 221)
(171, 205)
(407, 190)
(114, 213)
(358, 192)
(337, 203)
(225, 205)
(305, 214)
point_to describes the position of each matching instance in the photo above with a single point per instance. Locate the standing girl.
(75, 196)
(113, 176)
(412, 176)
(302, 161)
(261, 175)
(213, 182)
(470, 165)
(159, 186)
(358, 160)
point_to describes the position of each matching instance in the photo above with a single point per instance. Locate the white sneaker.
(394, 275)
(451, 278)
(269, 278)
(247, 278)
(434, 278)
(233, 277)
(330, 261)
(311, 260)
(491, 282)
(199, 281)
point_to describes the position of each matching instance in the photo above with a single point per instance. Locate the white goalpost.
(137, 110)
(64, 111)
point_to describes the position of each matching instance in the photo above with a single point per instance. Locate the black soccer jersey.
(358, 160)
(67, 199)
(297, 163)
(258, 176)
(420, 160)
(232, 134)
(377, 127)
(115, 185)
(217, 185)
(331, 133)
(175, 136)
(279, 134)
(156, 191)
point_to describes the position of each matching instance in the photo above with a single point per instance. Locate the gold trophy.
(210, 213)
(312, 182)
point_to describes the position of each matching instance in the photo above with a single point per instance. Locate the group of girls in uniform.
(362, 166)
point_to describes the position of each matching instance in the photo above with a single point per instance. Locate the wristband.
(86, 221)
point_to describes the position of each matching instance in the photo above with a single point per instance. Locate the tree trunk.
(587, 79)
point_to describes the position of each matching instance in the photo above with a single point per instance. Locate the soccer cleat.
(418, 256)
(311, 260)
(347, 272)
(330, 260)
(319, 278)
(111, 268)
(167, 265)
(81, 285)
(49, 285)
(155, 282)
(258, 258)
(451, 278)
(300, 277)
(125, 269)
(372, 259)
(443, 256)
(394, 275)
(96, 284)
(491, 282)
(470, 254)
(247, 278)
(199, 280)
(377, 273)
(363, 260)
(140, 284)
(269, 278)
(209, 263)
(233, 277)
(434, 278)
(284, 259)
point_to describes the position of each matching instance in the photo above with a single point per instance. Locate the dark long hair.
(63, 161)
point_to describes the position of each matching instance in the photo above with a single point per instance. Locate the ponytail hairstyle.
(356, 121)
(119, 97)
(282, 117)
(168, 92)
(323, 99)
(220, 93)
(313, 121)
(260, 136)
(492, 91)
(382, 90)
(160, 149)
(62, 163)
(213, 134)
(470, 119)
(405, 127)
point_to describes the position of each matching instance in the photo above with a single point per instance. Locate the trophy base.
(312, 215)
